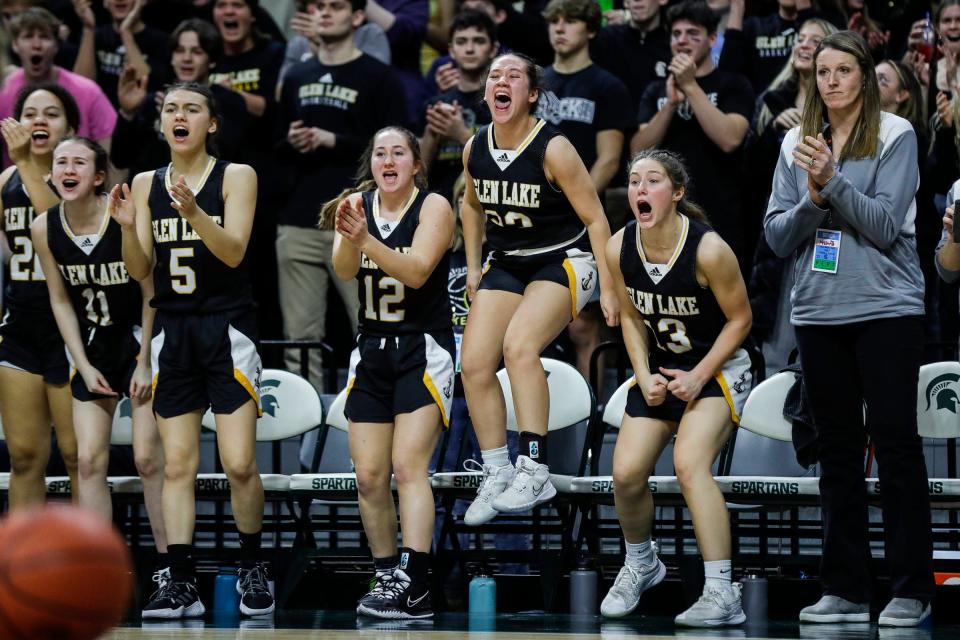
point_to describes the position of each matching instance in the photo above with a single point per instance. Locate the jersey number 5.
(391, 292)
(183, 279)
(674, 333)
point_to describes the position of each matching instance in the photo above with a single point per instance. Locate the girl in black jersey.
(684, 312)
(394, 237)
(33, 364)
(529, 190)
(100, 312)
(188, 224)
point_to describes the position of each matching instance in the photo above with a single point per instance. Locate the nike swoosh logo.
(413, 603)
(538, 490)
(722, 571)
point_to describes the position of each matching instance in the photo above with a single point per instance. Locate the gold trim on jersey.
(727, 396)
(403, 210)
(572, 285)
(684, 229)
(245, 383)
(211, 163)
(104, 221)
(515, 153)
(432, 390)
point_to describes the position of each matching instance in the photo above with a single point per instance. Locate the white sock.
(639, 555)
(496, 458)
(717, 574)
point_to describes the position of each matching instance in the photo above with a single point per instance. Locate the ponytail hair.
(676, 170)
(364, 178)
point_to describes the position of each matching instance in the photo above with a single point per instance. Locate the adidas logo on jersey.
(385, 227)
(326, 78)
(503, 158)
(87, 242)
(655, 272)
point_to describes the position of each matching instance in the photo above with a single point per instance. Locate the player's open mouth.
(40, 135)
(501, 99)
(644, 210)
(36, 59)
(180, 133)
(70, 184)
(390, 177)
(231, 25)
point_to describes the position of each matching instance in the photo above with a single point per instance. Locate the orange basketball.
(65, 573)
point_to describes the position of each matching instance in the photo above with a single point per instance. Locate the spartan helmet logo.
(268, 401)
(943, 388)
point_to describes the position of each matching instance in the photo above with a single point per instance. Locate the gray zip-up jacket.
(871, 201)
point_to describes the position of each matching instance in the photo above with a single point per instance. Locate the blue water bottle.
(225, 595)
(483, 594)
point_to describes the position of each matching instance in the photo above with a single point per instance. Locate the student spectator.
(105, 50)
(637, 52)
(66, 51)
(702, 113)
(138, 143)
(458, 112)
(34, 35)
(759, 46)
(591, 107)
(330, 107)
(843, 205)
(524, 32)
(305, 23)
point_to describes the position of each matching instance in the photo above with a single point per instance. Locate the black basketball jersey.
(27, 286)
(188, 278)
(102, 292)
(683, 318)
(387, 307)
(523, 209)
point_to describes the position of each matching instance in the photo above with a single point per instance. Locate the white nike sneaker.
(715, 608)
(495, 481)
(624, 595)
(531, 486)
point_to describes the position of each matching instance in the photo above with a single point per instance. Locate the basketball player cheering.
(685, 313)
(189, 224)
(527, 186)
(102, 314)
(33, 364)
(394, 237)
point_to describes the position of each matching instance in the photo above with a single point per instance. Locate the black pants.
(876, 362)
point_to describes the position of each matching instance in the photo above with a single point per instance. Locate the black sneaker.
(160, 577)
(175, 599)
(255, 596)
(381, 579)
(402, 600)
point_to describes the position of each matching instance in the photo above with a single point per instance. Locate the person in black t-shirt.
(702, 113)
(591, 107)
(105, 50)
(637, 52)
(330, 107)
(138, 143)
(457, 113)
(759, 46)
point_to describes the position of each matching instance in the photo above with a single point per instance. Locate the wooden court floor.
(323, 625)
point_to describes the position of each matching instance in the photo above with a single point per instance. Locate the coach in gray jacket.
(843, 205)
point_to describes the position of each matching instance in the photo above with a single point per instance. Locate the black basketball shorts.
(573, 268)
(114, 354)
(399, 374)
(202, 361)
(732, 383)
(30, 341)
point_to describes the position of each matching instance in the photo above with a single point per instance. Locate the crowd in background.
(303, 85)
